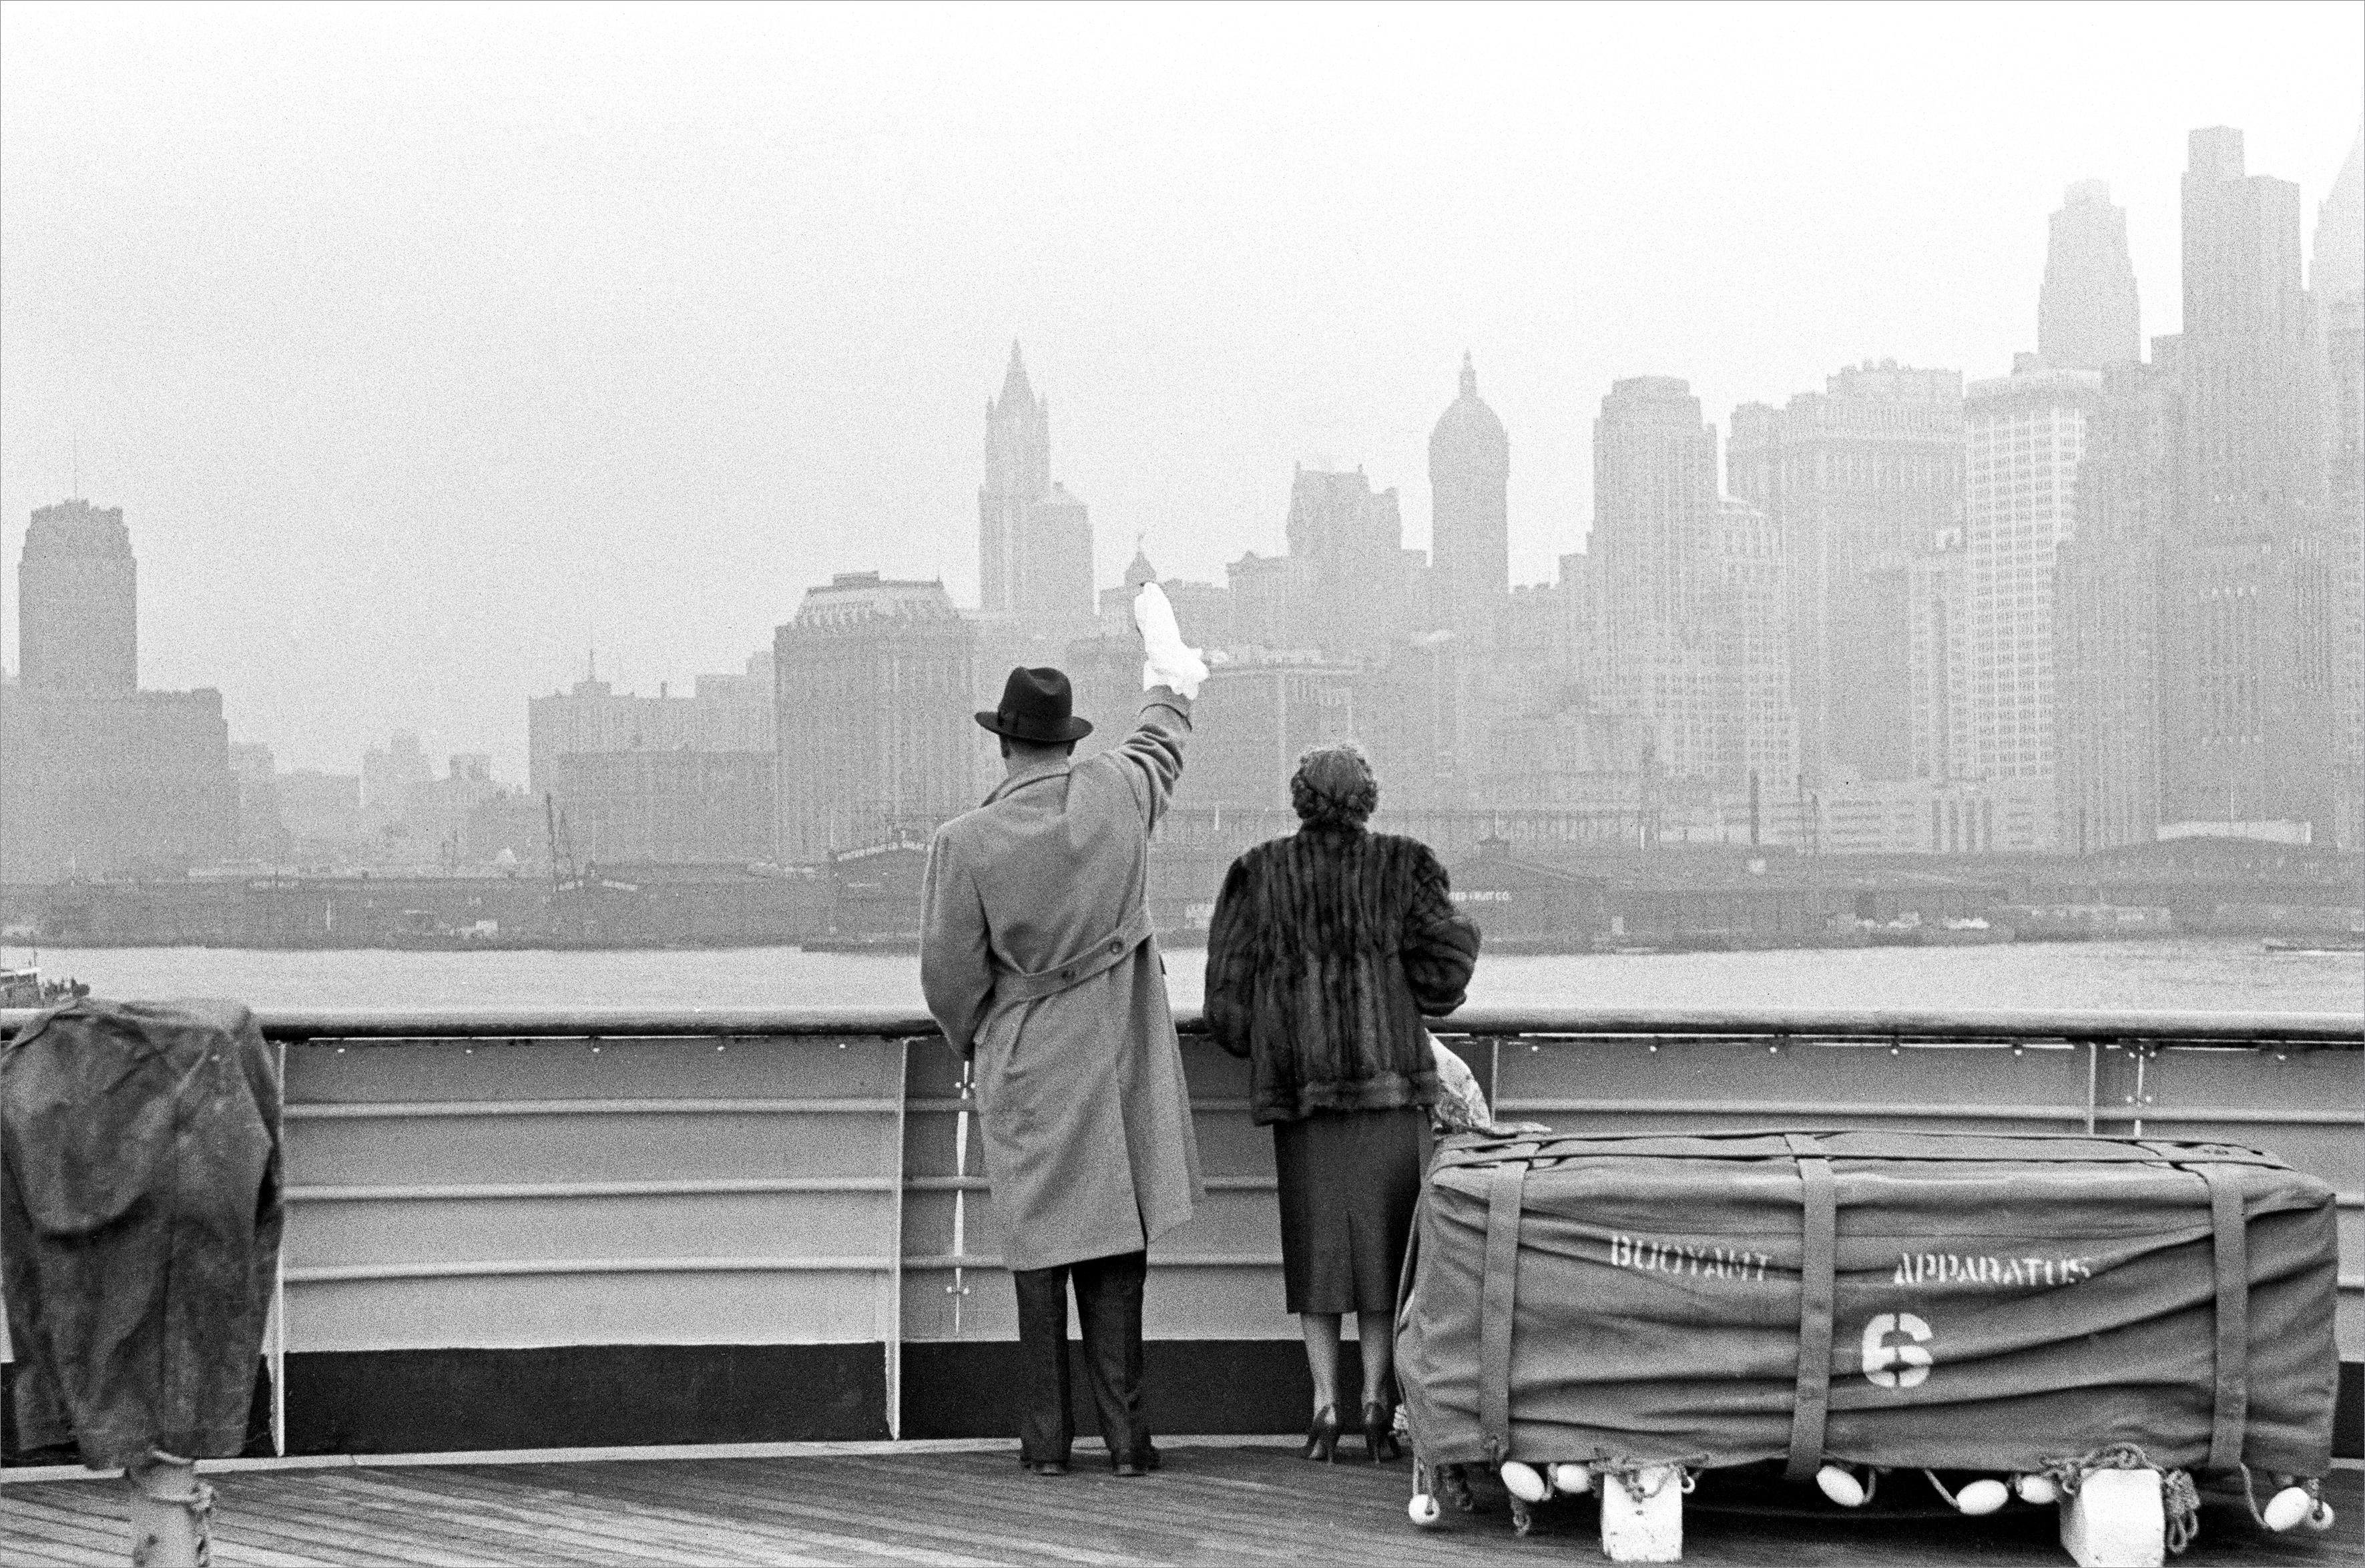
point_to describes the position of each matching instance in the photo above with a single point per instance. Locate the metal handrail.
(2341, 1030)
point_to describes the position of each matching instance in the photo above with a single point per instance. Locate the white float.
(1573, 1479)
(1523, 1482)
(1840, 1486)
(1982, 1496)
(2286, 1508)
(1423, 1510)
(2038, 1489)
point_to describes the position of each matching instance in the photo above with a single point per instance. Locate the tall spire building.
(2086, 312)
(1470, 540)
(1035, 539)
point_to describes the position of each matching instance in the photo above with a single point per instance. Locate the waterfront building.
(2106, 607)
(1203, 610)
(1577, 759)
(1470, 540)
(98, 777)
(2024, 436)
(1931, 816)
(2087, 313)
(677, 807)
(323, 813)
(1034, 540)
(2252, 662)
(1656, 517)
(262, 835)
(1256, 715)
(387, 774)
(724, 713)
(132, 783)
(876, 687)
(77, 603)
(1258, 587)
(1859, 479)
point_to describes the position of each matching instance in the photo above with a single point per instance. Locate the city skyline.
(493, 590)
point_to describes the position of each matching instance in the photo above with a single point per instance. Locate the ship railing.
(782, 1204)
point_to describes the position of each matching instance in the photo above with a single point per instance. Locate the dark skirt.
(1349, 1181)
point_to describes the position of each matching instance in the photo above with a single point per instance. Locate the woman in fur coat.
(1326, 950)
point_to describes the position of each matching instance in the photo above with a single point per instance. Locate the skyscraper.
(2250, 437)
(98, 777)
(2336, 283)
(874, 679)
(1656, 517)
(2086, 311)
(1759, 729)
(1470, 541)
(2251, 665)
(1859, 479)
(2106, 608)
(1349, 581)
(1034, 540)
(2023, 435)
(77, 603)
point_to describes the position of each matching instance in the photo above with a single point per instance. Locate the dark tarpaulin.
(140, 1213)
(1980, 1303)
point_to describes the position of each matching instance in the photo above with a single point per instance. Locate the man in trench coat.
(1036, 960)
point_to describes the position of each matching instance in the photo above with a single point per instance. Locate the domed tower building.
(1470, 537)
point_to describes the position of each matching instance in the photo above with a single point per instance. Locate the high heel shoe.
(1322, 1438)
(1379, 1434)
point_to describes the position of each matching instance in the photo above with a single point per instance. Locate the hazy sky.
(424, 346)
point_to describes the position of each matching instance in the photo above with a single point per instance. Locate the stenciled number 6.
(1896, 1366)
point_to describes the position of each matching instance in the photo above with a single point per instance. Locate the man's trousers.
(1108, 1300)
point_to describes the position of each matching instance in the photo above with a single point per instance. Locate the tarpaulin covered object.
(140, 1210)
(1957, 1301)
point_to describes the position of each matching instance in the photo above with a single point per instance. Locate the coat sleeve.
(1152, 755)
(956, 968)
(1440, 945)
(1231, 977)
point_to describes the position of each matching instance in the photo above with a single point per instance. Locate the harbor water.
(2175, 973)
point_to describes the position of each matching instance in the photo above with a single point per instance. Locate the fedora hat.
(1037, 708)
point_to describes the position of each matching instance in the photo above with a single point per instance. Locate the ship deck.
(948, 1504)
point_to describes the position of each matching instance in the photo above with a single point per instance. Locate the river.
(2187, 972)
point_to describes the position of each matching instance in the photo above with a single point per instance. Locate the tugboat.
(26, 987)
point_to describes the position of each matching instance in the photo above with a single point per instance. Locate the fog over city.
(427, 350)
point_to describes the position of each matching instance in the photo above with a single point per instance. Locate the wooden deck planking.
(1210, 1504)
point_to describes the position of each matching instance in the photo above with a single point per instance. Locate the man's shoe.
(1140, 1463)
(1046, 1466)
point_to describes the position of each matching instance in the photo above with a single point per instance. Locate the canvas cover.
(140, 1213)
(1953, 1301)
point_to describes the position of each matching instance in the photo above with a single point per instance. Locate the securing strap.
(1817, 1267)
(1498, 1296)
(2230, 1225)
(1096, 959)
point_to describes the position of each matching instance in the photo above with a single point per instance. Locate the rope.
(1628, 1475)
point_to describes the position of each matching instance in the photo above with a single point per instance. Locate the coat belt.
(1097, 958)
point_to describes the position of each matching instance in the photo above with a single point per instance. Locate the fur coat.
(1326, 950)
